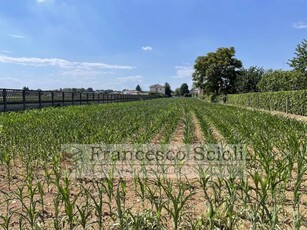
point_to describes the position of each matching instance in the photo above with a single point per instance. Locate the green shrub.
(214, 98)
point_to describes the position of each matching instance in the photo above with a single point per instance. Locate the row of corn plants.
(286, 101)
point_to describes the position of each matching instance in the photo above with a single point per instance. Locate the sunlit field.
(37, 191)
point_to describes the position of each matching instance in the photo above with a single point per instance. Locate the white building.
(131, 92)
(195, 92)
(157, 89)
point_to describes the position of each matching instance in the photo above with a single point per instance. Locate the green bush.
(214, 98)
(286, 101)
(156, 94)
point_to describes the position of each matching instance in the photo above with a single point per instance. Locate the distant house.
(157, 89)
(131, 92)
(195, 92)
(115, 92)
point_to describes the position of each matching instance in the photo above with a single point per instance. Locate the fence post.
(93, 97)
(98, 95)
(87, 98)
(24, 99)
(52, 98)
(80, 95)
(39, 99)
(63, 98)
(4, 100)
(72, 98)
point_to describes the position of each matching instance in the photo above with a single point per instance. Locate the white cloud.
(6, 51)
(16, 36)
(300, 25)
(147, 48)
(84, 73)
(137, 78)
(43, 1)
(11, 79)
(184, 72)
(61, 63)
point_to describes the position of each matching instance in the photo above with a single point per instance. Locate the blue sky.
(118, 44)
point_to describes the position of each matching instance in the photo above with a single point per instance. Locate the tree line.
(221, 72)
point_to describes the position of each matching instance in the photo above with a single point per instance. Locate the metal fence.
(15, 99)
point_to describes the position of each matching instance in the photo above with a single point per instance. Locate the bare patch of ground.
(158, 137)
(178, 134)
(198, 134)
(216, 134)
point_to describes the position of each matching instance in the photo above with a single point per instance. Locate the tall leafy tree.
(138, 88)
(248, 79)
(89, 90)
(177, 92)
(168, 91)
(184, 89)
(299, 62)
(217, 71)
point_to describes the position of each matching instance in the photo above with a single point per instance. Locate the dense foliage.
(138, 88)
(184, 89)
(299, 62)
(221, 73)
(217, 71)
(286, 101)
(168, 91)
(281, 80)
(248, 79)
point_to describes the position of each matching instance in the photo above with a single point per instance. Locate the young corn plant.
(188, 129)
(40, 188)
(177, 200)
(120, 197)
(231, 199)
(7, 161)
(29, 204)
(98, 202)
(155, 196)
(57, 223)
(301, 171)
(69, 200)
(7, 217)
(108, 185)
(84, 212)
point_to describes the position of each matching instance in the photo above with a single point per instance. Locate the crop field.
(37, 191)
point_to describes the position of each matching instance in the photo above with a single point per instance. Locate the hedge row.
(294, 102)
